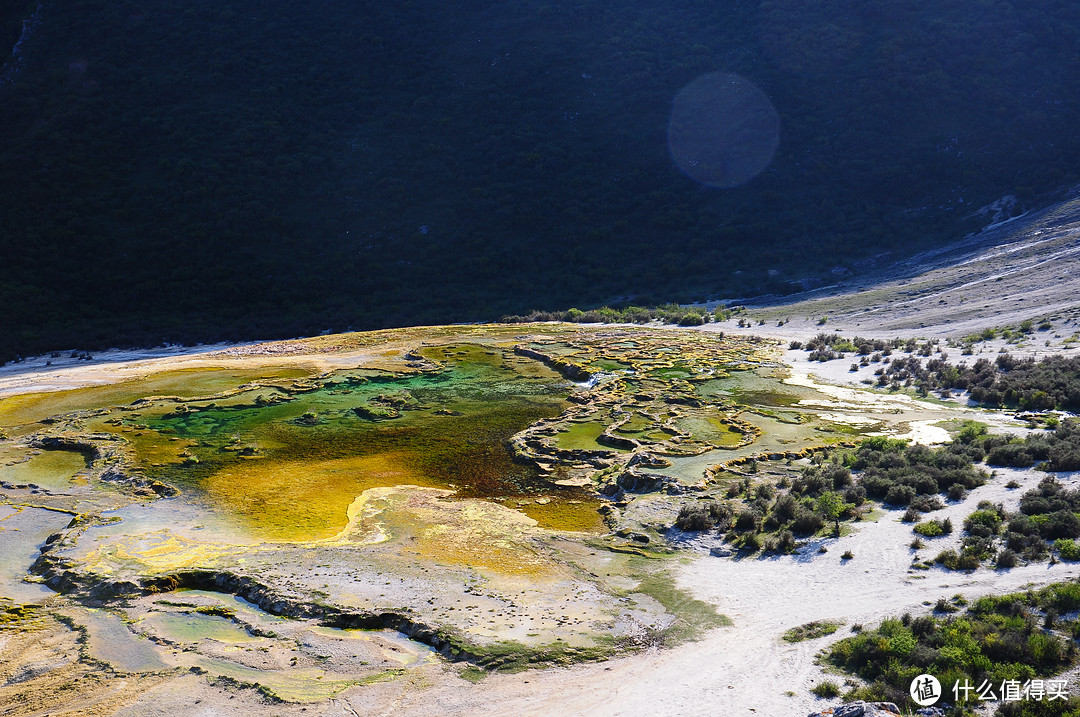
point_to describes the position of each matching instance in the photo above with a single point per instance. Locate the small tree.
(832, 505)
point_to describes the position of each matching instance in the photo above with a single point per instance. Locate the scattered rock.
(860, 709)
(930, 712)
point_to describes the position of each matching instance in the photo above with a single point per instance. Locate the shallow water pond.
(111, 640)
(191, 627)
(22, 533)
(582, 436)
(52, 470)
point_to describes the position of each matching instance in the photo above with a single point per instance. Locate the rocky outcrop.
(140, 485)
(648, 460)
(632, 481)
(860, 709)
(89, 446)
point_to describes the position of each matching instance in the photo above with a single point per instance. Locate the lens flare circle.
(723, 130)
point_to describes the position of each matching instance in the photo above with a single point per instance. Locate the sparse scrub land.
(773, 518)
(1007, 381)
(1058, 450)
(1045, 526)
(703, 517)
(760, 516)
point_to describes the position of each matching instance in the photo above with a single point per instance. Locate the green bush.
(952, 560)
(929, 529)
(1040, 708)
(1007, 559)
(826, 689)
(987, 518)
(807, 522)
(1067, 549)
(693, 518)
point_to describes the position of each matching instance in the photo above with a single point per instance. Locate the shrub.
(694, 517)
(899, 495)
(747, 520)
(807, 522)
(1007, 559)
(785, 507)
(948, 558)
(926, 503)
(968, 562)
(812, 630)
(930, 529)
(855, 494)
(1061, 524)
(826, 689)
(752, 542)
(944, 605)
(1067, 549)
(989, 519)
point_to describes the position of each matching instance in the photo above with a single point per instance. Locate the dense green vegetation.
(1010, 637)
(209, 170)
(902, 475)
(1055, 451)
(1047, 524)
(772, 517)
(668, 314)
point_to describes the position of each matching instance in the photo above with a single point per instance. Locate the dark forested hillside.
(202, 170)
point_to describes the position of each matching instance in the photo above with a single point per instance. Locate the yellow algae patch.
(472, 533)
(149, 447)
(156, 552)
(423, 523)
(579, 516)
(304, 501)
(297, 685)
(364, 526)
